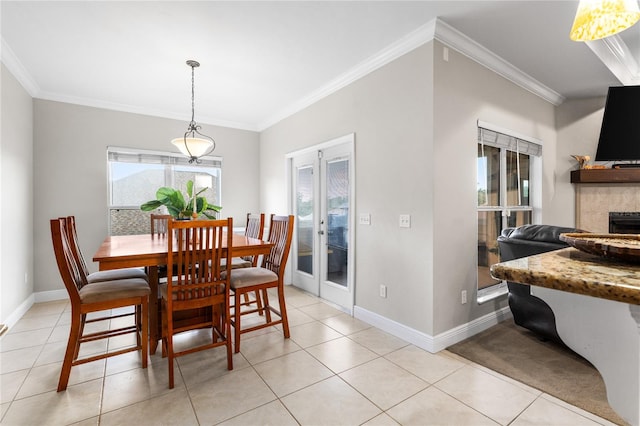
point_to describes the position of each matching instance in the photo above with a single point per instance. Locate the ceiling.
(261, 61)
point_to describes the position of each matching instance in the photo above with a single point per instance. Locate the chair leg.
(265, 300)
(283, 311)
(169, 339)
(144, 325)
(72, 350)
(227, 329)
(259, 303)
(236, 320)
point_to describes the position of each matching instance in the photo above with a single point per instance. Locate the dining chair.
(269, 275)
(100, 297)
(93, 277)
(254, 229)
(160, 227)
(199, 283)
(160, 224)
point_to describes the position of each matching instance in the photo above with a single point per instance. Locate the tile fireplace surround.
(595, 201)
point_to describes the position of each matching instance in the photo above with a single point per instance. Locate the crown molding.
(616, 56)
(434, 29)
(454, 39)
(94, 103)
(392, 52)
(13, 64)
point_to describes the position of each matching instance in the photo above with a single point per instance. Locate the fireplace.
(624, 222)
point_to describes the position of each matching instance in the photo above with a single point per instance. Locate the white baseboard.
(50, 296)
(39, 297)
(425, 341)
(15, 316)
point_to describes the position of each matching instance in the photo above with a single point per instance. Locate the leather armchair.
(530, 311)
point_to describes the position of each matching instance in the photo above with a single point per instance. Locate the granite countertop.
(575, 271)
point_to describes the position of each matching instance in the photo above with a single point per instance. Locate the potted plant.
(179, 207)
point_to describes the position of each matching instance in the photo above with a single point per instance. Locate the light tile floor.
(334, 370)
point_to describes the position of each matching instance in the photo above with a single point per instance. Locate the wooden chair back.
(72, 239)
(160, 224)
(71, 272)
(254, 229)
(280, 234)
(194, 275)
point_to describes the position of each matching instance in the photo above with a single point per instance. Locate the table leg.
(152, 272)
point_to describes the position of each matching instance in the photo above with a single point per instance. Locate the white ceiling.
(261, 61)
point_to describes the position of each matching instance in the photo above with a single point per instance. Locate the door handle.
(321, 232)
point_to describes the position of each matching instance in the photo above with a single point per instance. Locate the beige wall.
(466, 92)
(390, 112)
(415, 129)
(416, 121)
(71, 175)
(16, 200)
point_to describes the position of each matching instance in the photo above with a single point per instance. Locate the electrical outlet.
(405, 221)
(383, 291)
(463, 296)
(365, 219)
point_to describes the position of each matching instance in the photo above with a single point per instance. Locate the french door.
(322, 200)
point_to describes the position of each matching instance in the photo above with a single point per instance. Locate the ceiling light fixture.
(596, 19)
(194, 144)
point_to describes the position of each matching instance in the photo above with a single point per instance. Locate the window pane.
(304, 222)
(202, 177)
(488, 175)
(518, 218)
(489, 227)
(517, 179)
(134, 184)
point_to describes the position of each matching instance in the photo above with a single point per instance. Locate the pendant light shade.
(596, 19)
(194, 144)
(193, 147)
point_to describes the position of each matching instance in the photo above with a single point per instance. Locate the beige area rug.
(547, 366)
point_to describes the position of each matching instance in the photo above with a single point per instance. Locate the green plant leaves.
(176, 205)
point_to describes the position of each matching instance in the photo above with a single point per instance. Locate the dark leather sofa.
(530, 311)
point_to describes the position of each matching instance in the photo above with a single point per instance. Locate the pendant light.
(596, 19)
(194, 144)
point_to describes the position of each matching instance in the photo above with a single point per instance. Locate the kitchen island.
(596, 302)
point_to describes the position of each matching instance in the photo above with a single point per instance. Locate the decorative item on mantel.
(583, 162)
(176, 205)
(194, 144)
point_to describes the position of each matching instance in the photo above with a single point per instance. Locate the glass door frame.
(321, 286)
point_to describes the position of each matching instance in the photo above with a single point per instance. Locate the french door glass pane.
(338, 221)
(488, 175)
(489, 228)
(304, 210)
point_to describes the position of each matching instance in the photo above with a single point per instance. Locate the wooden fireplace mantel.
(629, 175)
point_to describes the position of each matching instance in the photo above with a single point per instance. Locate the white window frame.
(169, 159)
(535, 193)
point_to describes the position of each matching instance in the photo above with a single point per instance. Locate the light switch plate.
(364, 219)
(405, 221)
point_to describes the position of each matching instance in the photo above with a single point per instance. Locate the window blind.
(512, 143)
(151, 157)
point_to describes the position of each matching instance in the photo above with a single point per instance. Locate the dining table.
(150, 251)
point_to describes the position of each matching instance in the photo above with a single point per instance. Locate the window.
(506, 180)
(136, 175)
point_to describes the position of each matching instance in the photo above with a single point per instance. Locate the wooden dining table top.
(123, 251)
